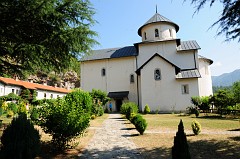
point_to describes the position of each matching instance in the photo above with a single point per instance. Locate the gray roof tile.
(194, 73)
(111, 53)
(188, 45)
(158, 18)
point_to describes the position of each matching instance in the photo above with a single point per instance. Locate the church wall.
(205, 82)
(184, 60)
(165, 94)
(117, 78)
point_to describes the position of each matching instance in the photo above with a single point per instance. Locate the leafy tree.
(229, 19)
(222, 99)
(66, 118)
(100, 95)
(43, 34)
(180, 147)
(236, 91)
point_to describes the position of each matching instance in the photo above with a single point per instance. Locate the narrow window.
(17, 91)
(157, 74)
(57, 96)
(51, 95)
(103, 72)
(145, 35)
(12, 90)
(156, 33)
(45, 95)
(185, 89)
(131, 78)
(170, 32)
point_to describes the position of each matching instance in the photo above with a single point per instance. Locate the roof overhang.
(118, 95)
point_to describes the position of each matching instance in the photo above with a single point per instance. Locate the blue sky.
(119, 21)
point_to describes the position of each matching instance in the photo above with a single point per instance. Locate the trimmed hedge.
(196, 127)
(125, 108)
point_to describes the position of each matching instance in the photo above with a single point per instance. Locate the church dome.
(157, 28)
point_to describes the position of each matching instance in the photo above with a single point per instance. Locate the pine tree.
(180, 147)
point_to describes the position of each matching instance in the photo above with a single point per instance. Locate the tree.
(180, 147)
(229, 19)
(222, 99)
(236, 91)
(43, 34)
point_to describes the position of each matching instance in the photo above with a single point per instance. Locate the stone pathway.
(111, 141)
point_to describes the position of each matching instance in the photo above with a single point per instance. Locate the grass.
(46, 146)
(205, 145)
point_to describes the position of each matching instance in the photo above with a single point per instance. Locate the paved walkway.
(111, 141)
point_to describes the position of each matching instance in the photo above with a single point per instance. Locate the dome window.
(156, 33)
(145, 35)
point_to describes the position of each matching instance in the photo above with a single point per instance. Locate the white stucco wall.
(117, 78)
(165, 94)
(6, 89)
(166, 31)
(40, 94)
(205, 83)
(168, 49)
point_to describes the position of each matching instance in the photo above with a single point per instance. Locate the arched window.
(131, 78)
(156, 33)
(103, 71)
(145, 35)
(157, 74)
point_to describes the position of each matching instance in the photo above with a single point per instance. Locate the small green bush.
(20, 140)
(147, 109)
(125, 107)
(136, 118)
(197, 112)
(196, 127)
(140, 125)
(12, 106)
(34, 115)
(10, 113)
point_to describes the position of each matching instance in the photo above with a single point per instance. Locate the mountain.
(226, 79)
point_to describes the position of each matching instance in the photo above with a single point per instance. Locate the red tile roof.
(29, 85)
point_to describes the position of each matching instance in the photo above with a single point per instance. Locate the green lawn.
(206, 145)
(171, 121)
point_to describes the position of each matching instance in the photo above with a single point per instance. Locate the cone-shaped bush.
(147, 109)
(180, 147)
(20, 140)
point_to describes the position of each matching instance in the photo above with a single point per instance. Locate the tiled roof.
(158, 18)
(111, 53)
(29, 85)
(188, 74)
(188, 45)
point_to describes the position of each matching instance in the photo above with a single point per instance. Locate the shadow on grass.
(236, 138)
(214, 149)
(48, 151)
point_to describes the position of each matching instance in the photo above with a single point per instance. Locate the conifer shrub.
(196, 127)
(34, 115)
(20, 140)
(180, 148)
(140, 124)
(147, 109)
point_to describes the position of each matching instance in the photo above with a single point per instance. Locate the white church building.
(162, 70)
